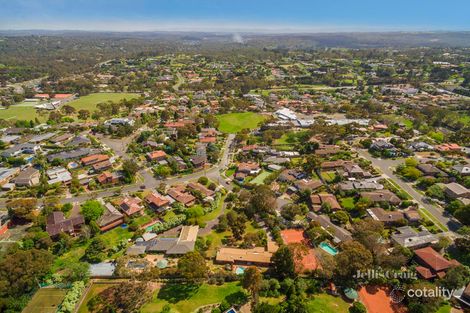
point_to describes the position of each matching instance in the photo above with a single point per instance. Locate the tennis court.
(45, 300)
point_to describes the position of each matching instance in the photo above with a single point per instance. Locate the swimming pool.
(240, 270)
(329, 249)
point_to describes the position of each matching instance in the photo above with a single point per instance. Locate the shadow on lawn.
(175, 293)
(237, 298)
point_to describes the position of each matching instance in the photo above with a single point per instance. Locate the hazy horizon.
(263, 16)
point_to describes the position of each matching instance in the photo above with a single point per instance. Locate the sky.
(236, 15)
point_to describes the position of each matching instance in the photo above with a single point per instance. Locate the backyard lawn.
(45, 300)
(111, 239)
(328, 176)
(324, 303)
(235, 122)
(347, 203)
(90, 101)
(187, 298)
(259, 180)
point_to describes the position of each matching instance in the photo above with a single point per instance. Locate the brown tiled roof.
(95, 158)
(56, 223)
(203, 189)
(256, 255)
(381, 195)
(386, 216)
(179, 195)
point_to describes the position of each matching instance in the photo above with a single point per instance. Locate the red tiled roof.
(156, 200)
(156, 154)
(432, 259)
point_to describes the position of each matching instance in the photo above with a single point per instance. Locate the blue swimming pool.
(240, 270)
(329, 249)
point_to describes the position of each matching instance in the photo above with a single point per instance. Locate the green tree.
(129, 169)
(21, 272)
(352, 258)
(357, 307)
(456, 277)
(283, 262)
(92, 210)
(95, 252)
(192, 266)
(252, 282)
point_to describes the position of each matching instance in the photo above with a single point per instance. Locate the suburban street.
(387, 165)
(149, 181)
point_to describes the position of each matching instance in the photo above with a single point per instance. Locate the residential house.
(310, 184)
(58, 175)
(111, 218)
(407, 237)
(462, 169)
(119, 122)
(93, 159)
(359, 185)
(206, 192)
(61, 138)
(387, 217)
(198, 161)
(101, 166)
(354, 170)
(28, 177)
(157, 202)
(256, 256)
(183, 244)
(68, 155)
(57, 224)
(23, 148)
(432, 264)
(79, 141)
(324, 198)
(455, 191)
(431, 170)
(338, 233)
(131, 206)
(420, 146)
(7, 173)
(381, 196)
(178, 193)
(156, 156)
(109, 178)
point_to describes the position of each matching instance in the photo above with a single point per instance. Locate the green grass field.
(187, 298)
(90, 101)
(45, 300)
(259, 180)
(22, 113)
(235, 122)
(324, 303)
